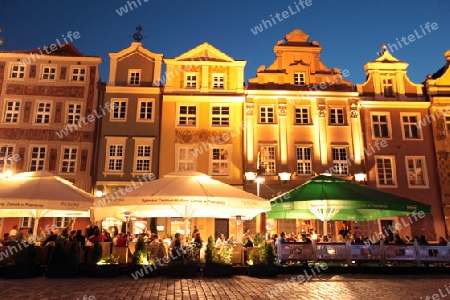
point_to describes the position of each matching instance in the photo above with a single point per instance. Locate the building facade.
(399, 156)
(47, 107)
(202, 124)
(438, 93)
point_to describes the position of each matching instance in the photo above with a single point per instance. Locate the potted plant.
(107, 266)
(262, 261)
(217, 261)
(184, 261)
(63, 260)
(23, 263)
(143, 262)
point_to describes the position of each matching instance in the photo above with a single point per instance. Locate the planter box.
(180, 270)
(20, 271)
(143, 271)
(101, 270)
(262, 271)
(62, 271)
(217, 270)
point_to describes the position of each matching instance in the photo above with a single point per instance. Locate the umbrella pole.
(325, 227)
(186, 224)
(35, 229)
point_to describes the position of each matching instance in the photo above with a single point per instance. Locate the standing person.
(194, 232)
(220, 240)
(80, 238)
(357, 234)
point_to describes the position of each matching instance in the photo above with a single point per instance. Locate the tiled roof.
(63, 50)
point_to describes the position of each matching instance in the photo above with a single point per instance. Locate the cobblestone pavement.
(326, 286)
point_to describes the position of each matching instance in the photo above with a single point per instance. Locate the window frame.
(298, 81)
(343, 165)
(138, 110)
(304, 161)
(263, 109)
(426, 184)
(69, 160)
(447, 124)
(44, 159)
(344, 119)
(264, 161)
(411, 126)
(115, 141)
(301, 117)
(388, 124)
(61, 221)
(214, 76)
(50, 67)
(19, 71)
(37, 113)
(387, 87)
(220, 116)
(68, 113)
(131, 79)
(220, 161)
(113, 112)
(394, 171)
(179, 160)
(78, 76)
(8, 153)
(145, 142)
(16, 101)
(187, 115)
(30, 222)
(188, 81)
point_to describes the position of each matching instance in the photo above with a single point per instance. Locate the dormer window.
(134, 77)
(299, 79)
(190, 80)
(388, 90)
(218, 81)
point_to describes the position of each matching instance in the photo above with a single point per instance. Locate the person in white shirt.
(220, 240)
(13, 231)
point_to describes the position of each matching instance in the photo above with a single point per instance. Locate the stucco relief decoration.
(442, 154)
(249, 109)
(184, 136)
(440, 126)
(282, 110)
(322, 111)
(354, 110)
(203, 135)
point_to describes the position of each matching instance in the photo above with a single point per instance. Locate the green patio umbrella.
(330, 198)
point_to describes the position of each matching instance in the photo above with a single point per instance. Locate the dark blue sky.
(350, 32)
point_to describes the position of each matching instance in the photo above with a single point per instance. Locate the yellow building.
(301, 120)
(201, 123)
(438, 91)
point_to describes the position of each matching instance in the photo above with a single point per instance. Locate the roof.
(68, 50)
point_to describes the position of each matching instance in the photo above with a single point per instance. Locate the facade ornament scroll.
(440, 126)
(322, 111)
(354, 113)
(282, 109)
(249, 108)
(442, 154)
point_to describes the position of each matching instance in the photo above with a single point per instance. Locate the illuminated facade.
(398, 146)
(47, 107)
(301, 120)
(438, 92)
(201, 127)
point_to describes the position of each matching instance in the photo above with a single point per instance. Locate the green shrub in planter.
(217, 262)
(262, 261)
(63, 261)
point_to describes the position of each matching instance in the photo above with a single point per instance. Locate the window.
(73, 113)
(220, 160)
(266, 114)
(12, 112)
(115, 155)
(43, 111)
(387, 88)
(267, 159)
(187, 115)
(142, 155)
(304, 162)
(119, 110)
(78, 74)
(416, 171)
(62, 222)
(220, 115)
(6, 160)
(380, 126)
(68, 160)
(410, 128)
(218, 81)
(301, 115)
(37, 161)
(336, 116)
(134, 77)
(447, 124)
(299, 79)
(17, 71)
(190, 80)
(145, 110)
(340, 164)
(186, 159)
(385, 171)
(48, 73)
(26, 222)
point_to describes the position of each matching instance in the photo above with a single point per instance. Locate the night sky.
(350, 32)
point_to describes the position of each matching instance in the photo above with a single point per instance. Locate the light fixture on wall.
(284, 176)
(99, 191)
(250, 176)
(360, 178)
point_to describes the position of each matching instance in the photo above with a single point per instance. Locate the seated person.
(122, 240)
(231, 240)
(220, 240)
(53, 237)
(291, 238)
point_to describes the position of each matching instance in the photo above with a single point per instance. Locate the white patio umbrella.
(180, 194)
(42, 194)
